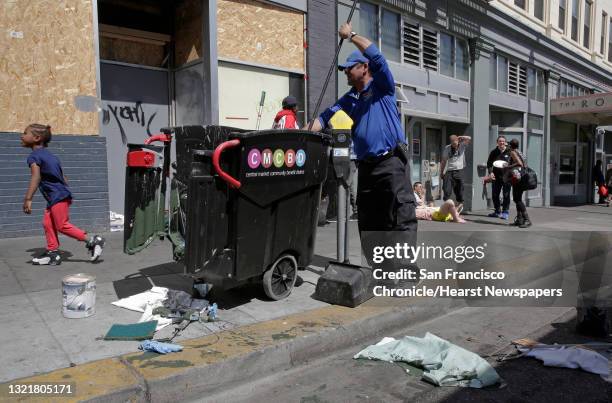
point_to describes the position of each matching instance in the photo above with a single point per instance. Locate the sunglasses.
(348, 69)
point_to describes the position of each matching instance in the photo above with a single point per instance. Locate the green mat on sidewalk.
(135, 331)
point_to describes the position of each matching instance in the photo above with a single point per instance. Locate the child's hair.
(514, 144)
(44, 131)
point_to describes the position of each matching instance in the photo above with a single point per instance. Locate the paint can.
(78, 296)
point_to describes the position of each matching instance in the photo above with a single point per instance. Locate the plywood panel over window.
(260, 33)
(188, 32)
(48, 58)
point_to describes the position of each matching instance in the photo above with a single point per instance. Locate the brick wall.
(84, 162)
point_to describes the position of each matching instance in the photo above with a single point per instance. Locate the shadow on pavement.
(170, 275)
(528, 380)
(66, 256)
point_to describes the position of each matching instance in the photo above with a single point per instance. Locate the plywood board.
(188, 32)
(261, 33)
(128, 51)
(48, 58)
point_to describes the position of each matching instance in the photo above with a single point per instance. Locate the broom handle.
(331, 70)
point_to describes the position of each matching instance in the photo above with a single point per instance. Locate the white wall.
(240, 90)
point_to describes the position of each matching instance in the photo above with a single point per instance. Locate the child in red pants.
(47, 175)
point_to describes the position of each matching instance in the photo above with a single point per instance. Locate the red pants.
(56, 220)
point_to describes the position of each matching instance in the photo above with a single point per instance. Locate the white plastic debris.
(116, 221)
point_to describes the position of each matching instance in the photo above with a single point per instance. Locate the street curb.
(208, 364)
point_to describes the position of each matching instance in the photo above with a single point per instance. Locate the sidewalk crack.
(142, 382)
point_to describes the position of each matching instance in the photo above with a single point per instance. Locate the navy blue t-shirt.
(52, 185)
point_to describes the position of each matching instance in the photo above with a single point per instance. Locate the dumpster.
(243, 205)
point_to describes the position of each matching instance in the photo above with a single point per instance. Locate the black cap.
(289, 102)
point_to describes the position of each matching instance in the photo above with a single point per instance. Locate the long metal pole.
(331, 70)
(347, 214)
(341, 235)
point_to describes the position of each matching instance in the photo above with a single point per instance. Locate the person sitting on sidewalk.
(47, 175)
(444, 213)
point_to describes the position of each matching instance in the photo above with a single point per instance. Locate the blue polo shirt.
(52, 185)
(376, 120)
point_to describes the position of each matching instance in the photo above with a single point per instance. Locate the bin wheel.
(279, 279)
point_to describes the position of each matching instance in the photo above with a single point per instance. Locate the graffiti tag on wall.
(128, 113)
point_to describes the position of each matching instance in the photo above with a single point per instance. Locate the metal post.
(347, 214)
(341, 223)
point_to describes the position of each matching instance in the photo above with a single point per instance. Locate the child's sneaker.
(50, 257)
(95, 245)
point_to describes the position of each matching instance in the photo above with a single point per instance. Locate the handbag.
(529, 179)
(603, 190)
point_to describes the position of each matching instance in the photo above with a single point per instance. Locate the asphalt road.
(340, 378)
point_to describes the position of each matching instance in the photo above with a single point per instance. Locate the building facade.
(105, 73)
(487, 68)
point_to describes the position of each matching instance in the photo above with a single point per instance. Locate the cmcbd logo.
(278, 158)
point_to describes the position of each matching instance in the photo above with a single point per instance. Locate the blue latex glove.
(159, 347)
(212, 312)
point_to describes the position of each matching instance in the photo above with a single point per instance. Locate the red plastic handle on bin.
(159, 137)
(215, 160)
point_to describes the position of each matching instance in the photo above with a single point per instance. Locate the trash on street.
(444, 363)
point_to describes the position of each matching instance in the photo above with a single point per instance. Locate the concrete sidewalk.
(35, 338)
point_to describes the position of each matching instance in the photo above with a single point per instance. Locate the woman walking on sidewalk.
(47, 175)
(517, 163)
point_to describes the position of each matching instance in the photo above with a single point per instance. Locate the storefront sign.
(594, 103)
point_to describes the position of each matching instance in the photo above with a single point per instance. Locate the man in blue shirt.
(385, 198)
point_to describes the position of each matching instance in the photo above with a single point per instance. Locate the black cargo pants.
(386, 203)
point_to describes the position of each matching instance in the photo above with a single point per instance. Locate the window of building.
(538, 9)
(535, 122)
(531, 83)
(462, 58)
(535, 147)
(412, 39)
(368, 20)
(586, 35)
(602, 42)
(568, 89)
(520, 3)
(540, 85)
(433, 50)
(446, 54)
(430, 49)
(517, 79)
(390, 35)
(502, 73)
(507, 119)
(562, 8)
(610, 41)
(493, 72)
(574, 24)
(562, 89)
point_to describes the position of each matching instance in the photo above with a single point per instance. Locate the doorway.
(570, 171)
(431, 162)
